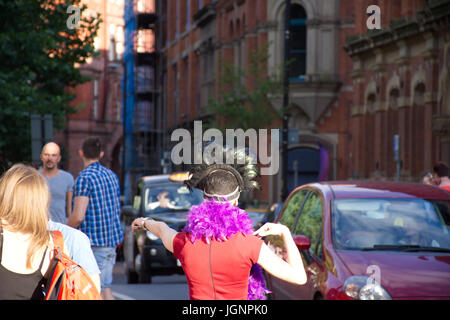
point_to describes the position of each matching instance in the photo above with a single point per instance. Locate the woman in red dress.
(218, 248)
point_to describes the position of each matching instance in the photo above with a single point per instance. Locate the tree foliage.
(244, 99)
(39, 56)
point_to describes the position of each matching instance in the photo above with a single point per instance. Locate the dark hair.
(441, 169)
(92, 147)
(426, 173)
(220, 182)
(225, 180)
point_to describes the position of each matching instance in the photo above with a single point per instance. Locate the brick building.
(351, 90)
(401, 84)
(232, 30)
(101, 98)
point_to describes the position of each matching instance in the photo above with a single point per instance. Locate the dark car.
(257, 216)
(368, 240)
(164, 198)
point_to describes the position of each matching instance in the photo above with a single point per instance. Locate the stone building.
(209, 31)
(351, 89)
(401, 84)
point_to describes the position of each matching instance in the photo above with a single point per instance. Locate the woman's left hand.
(138, 224)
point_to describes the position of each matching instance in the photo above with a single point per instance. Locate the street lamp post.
(284, 168)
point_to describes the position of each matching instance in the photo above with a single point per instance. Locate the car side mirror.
(130, 212)
(302, 242)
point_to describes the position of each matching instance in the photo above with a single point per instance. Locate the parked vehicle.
(164, 198)
(257, 216)
(368, 240)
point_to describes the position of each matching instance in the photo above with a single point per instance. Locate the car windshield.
(391, 224)
(170, 197)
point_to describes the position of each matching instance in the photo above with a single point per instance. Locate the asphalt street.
(172, 287)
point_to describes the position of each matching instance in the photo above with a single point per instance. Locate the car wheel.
(318, 296)
(130, 268)
(144, 273)
(132, 276)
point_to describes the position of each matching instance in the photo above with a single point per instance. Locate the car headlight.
(151, 236)
(365, 288)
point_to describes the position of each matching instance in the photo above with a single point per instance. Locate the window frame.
(314, 254)
(291, 229)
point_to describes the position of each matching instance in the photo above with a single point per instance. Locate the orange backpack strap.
(58, 239)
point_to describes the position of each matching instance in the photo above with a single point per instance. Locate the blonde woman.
(25, 249)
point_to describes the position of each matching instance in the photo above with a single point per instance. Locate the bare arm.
(292, 270)
(69, 196)
(96, 279)
(158, 228)
(79, 211)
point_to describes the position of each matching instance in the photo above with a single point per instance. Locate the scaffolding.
(142, 109)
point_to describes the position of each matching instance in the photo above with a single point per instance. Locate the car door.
(310, 224)
(288, 216)
(303, 216)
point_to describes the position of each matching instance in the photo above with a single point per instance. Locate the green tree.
(39, 54)
(245, 94)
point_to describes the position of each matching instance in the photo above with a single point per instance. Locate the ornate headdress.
(240, 164)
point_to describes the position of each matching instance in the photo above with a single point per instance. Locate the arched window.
(370, 157)
(392, 130)
(418, 130)
(231, 31)
(297, 44)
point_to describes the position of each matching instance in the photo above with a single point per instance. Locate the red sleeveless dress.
(217, 270)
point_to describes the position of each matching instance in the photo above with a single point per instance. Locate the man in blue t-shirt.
(59, 182)
(96, 210)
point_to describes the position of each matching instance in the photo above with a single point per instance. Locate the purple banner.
(324, 163)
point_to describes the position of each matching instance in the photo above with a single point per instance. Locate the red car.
(368, 241)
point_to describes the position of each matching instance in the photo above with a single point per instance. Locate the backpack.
(66, 279)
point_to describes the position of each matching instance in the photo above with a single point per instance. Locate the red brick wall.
(107, 125)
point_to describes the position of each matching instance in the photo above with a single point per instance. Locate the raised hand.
(269, 228)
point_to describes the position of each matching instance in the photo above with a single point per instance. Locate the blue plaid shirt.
(102, 221)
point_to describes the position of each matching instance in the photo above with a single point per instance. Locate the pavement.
(172, 287)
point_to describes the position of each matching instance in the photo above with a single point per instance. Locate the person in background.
(428, 178)
(96, 210)
(79, 249)
(59, 182)
(440, 170)
(207, 246)
(25, 241)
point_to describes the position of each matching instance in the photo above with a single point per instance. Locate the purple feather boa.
(219, 221)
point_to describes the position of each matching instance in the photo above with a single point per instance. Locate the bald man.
(59, 181)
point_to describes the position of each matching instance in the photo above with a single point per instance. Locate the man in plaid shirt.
(97, 210)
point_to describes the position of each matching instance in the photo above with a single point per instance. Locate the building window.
(297, 44)
(95, 100)
(112, 53)
(186, 86)
(418, 130)
(392, 130)
(177, 17)
(176, 93)
(393, 99)
(188, 14)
